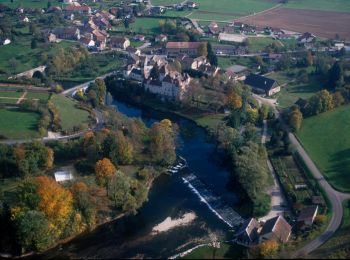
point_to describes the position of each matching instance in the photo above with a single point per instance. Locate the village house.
(68, 33)
(306, 38)
(75, 9)
(224, 49)
(172, 88)
(236, 72)
(24, 19)
(133, 51)
(248, 235)
(139, 37)
(87, 41)
(174, 49)
(214, 28)
(161, 38)
(157, 10)
(307, 216)
(276, 229)
(51, 37)
(119, 42)
(188, 63)
(262, 84)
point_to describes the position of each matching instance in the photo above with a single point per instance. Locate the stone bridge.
(29, 73)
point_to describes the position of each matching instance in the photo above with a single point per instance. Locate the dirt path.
(21, 98)
(264, 11)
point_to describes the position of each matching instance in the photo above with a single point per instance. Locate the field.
(323, 5)
(11, 97)
(321, 23)
(290, 174)
(70, 115)
(165, 2)
(227, 10)
(326, 139)
(338, 247)
(15, 124)
(25, 58)
(29, 3)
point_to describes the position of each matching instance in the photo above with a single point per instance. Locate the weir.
(214, 202)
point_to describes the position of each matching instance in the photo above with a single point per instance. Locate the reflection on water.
(169, 196)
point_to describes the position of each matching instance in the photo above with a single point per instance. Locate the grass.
(227, 10)
(29, 3)
(143, 25)
(225, 62)
(210, 121)
(41, 96)
(323, 5)
(71, 116)
(95, 65)
(26, 57)
(165, 2)
(15, 124)
(338, 247)
(258, 44)
(226, 251)
(326, 140)
(292, 90)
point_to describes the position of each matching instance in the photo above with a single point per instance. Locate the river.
(169, 196)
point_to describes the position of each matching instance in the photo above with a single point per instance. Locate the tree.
(203, 49)
(295, 119)
(234, 101)
(56, 203)
(48, 4)
(120, 150)
(266, 250)
(336, 76)
(104, 170)
(119, 188)
(50, 158)
(34, 43)
(33, 231)
(13, 64)
(162, 142)
(338, 99)
(212, 56)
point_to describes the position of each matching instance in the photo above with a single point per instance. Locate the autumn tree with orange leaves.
(234, 101)
(104, 170)
(55, 202)
(267, 249)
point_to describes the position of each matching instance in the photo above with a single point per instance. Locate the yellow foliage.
(266, 249)
(55, 202)
(234, 101)
(50, 158)
(104, 169)
(15, 212)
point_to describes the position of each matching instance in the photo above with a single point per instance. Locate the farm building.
(173, 49)
(307, 216)
(277, 229)
(263, 85)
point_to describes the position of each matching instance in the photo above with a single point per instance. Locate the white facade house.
(62, 176)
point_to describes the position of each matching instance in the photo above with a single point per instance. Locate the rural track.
(335, 197)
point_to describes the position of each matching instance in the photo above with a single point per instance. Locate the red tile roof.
(183, 45)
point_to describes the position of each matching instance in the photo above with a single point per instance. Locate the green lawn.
(165, 2)
(326, 139)
(258, 44)
(226, 251)
(25, 58)
(227, 10)
(225, 62)
(70, 115)
(41, 96)
(29, 3)
(15, 124)
(210, 121)
(338, 247)
(143, 25)
(325, 5)
(291, 90)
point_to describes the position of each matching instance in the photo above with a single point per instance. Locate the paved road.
(336, 198)
(70, 91)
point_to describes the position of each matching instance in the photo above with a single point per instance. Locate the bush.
(261, 205)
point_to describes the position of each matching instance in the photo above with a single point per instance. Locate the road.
(278, 200)
(336, 198)
(70, 91)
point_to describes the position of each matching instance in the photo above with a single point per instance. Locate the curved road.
(336, 198)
